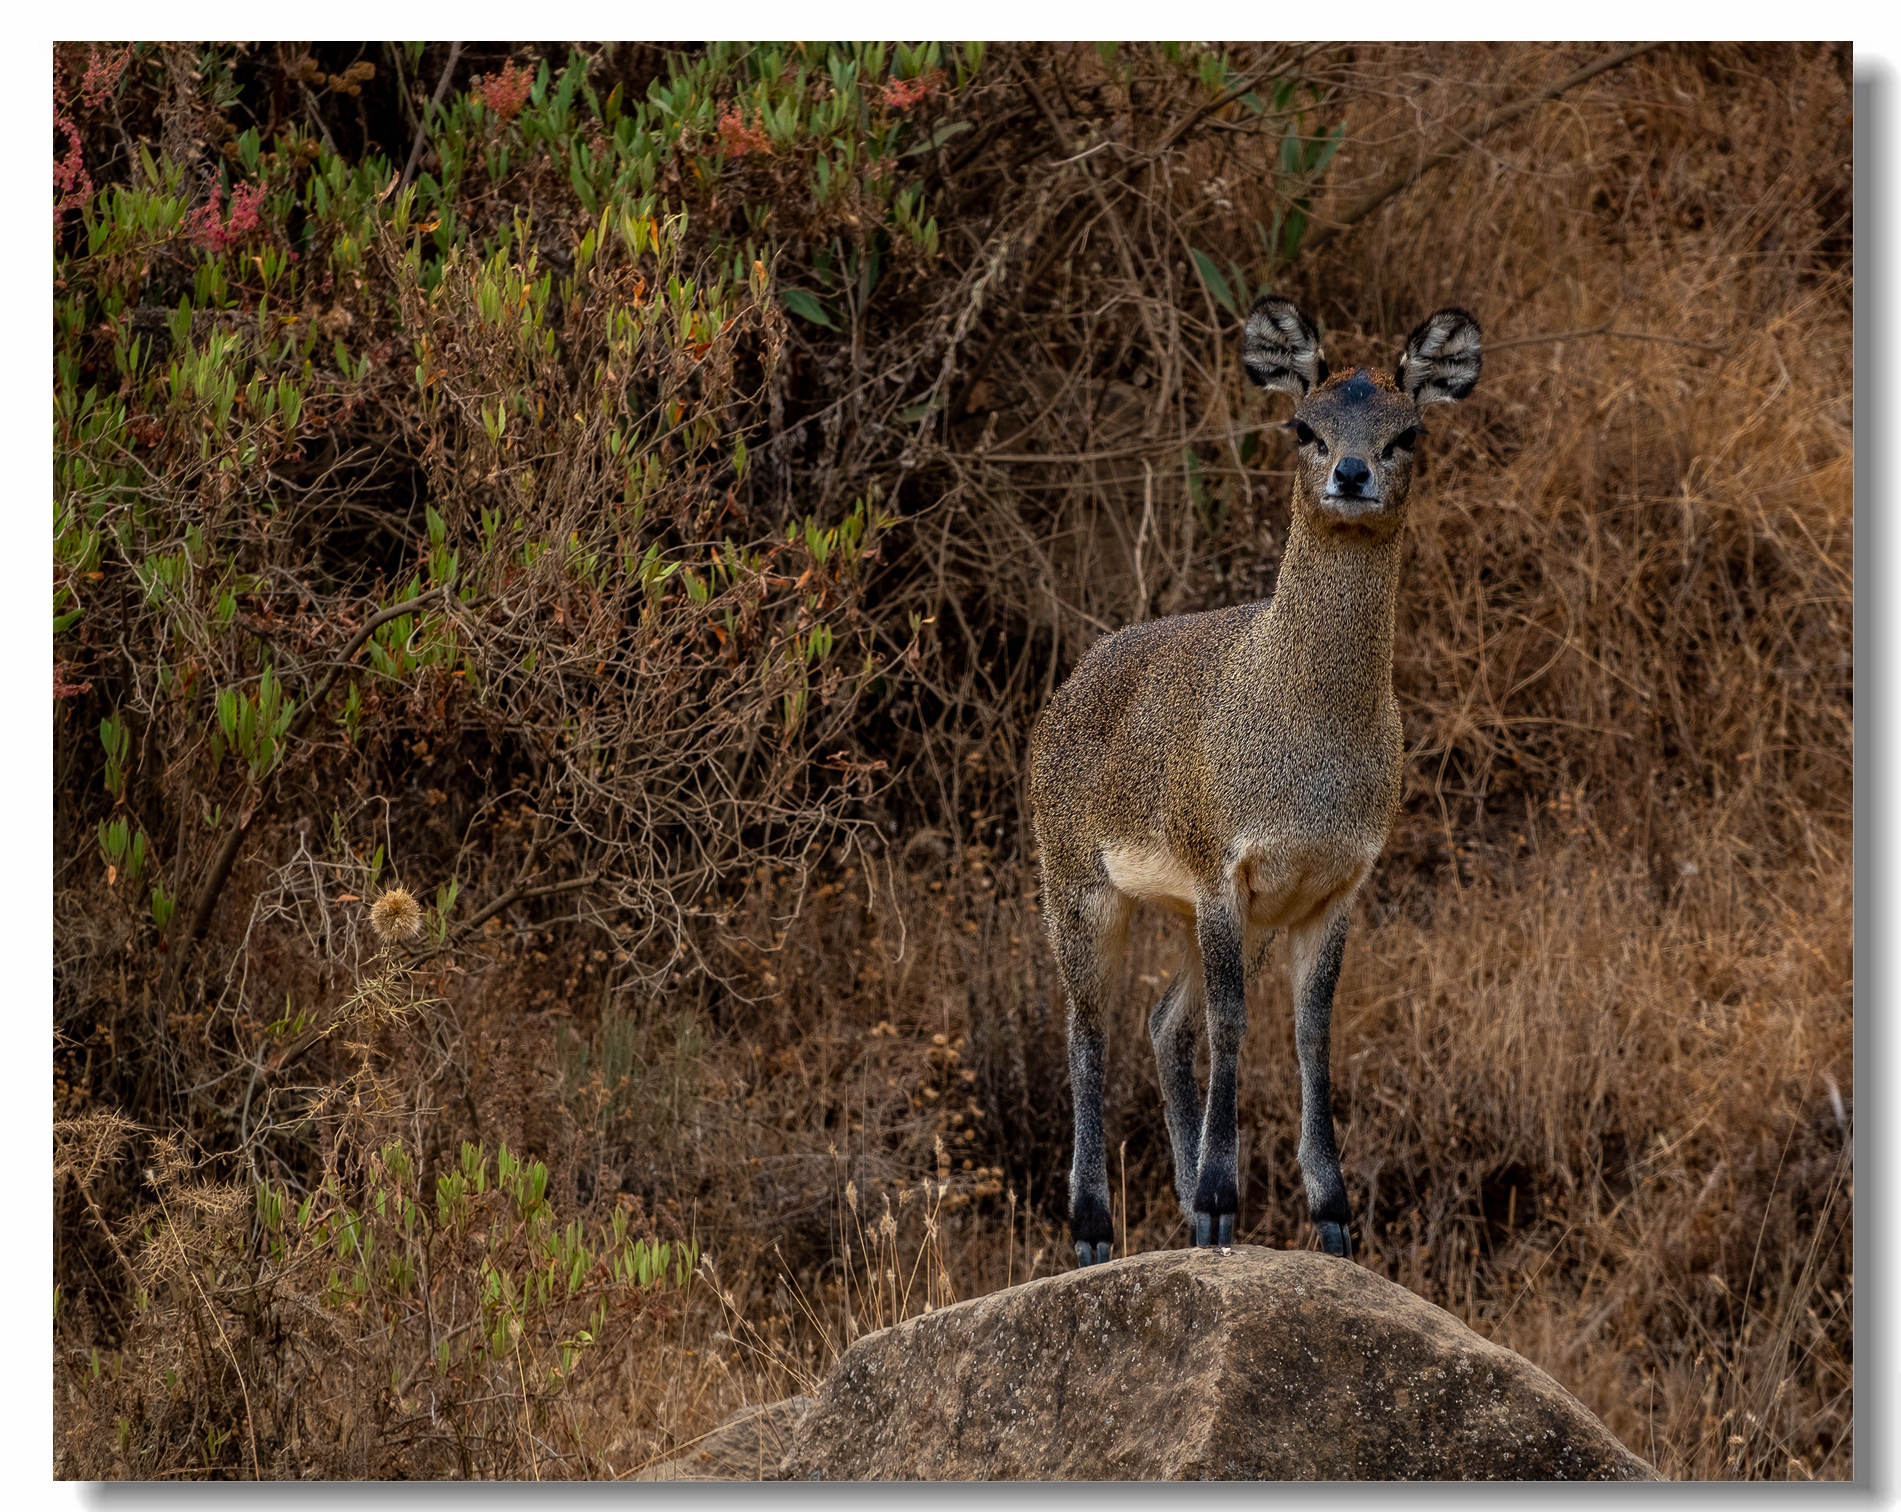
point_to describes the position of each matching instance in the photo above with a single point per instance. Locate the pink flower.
(72, 184)
(504, 93)
(736, 138)
(102, 76)
(902, 94)
(218, 237)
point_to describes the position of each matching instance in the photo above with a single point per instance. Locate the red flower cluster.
(64, 689)
(736, 138)
(72, 184)
(902, 94)
(218, 237)
(504, 93)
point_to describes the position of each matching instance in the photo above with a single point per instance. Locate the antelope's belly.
(1151, 873)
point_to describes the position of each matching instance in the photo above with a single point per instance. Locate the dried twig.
(435, 104)
(1604, 330)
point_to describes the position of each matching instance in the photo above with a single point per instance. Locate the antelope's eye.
(1304, 434)
(1402, 442)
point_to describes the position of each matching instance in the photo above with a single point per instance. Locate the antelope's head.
(1358, 430)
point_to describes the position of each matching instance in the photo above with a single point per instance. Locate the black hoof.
(1334, 1240)
(1085, 1252)
(1214, 1230)
(1102, 1252)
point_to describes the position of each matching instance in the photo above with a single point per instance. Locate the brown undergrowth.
(1607, 1131)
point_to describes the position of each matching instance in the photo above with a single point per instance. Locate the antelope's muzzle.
(1350, 488)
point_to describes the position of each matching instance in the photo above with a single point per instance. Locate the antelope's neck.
(1324, 649)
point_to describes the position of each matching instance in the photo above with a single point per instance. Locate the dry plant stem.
(1061, 244)
(1461, 142)
(250, 1417)
(1605, 330)
(1251, 80)
(1123, 1158)
(315, 112)
(92, 1206)
(1114, 222)
(435, 104)
(517, 895)
(526, 1427)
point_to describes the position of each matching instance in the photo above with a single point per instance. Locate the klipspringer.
(1242, 768)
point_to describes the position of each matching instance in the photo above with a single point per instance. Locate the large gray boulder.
(1253, 1363)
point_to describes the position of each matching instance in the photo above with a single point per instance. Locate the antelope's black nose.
(1350, 474)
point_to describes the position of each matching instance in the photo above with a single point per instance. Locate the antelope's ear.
(1281, 349)
(1441, 360)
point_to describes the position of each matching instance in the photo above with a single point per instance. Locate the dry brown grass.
(1597, 1130)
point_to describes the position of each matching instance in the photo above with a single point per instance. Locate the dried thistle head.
(170, 1161)
(87, 1145)
(396, 915)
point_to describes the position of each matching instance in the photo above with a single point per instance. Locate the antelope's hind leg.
(1089, 924)
(1314, 964)
(1172, 1027)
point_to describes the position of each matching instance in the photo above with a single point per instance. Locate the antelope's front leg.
(1218, 931)
(1314, 964)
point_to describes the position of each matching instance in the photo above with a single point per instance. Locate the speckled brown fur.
(1242, 767)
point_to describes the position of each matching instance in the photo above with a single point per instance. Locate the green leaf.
(1326, 147)
(1291, 234)
(1217, 285)
(938, 138)
(807, 307)
(1197, 489)
(1291, 150)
